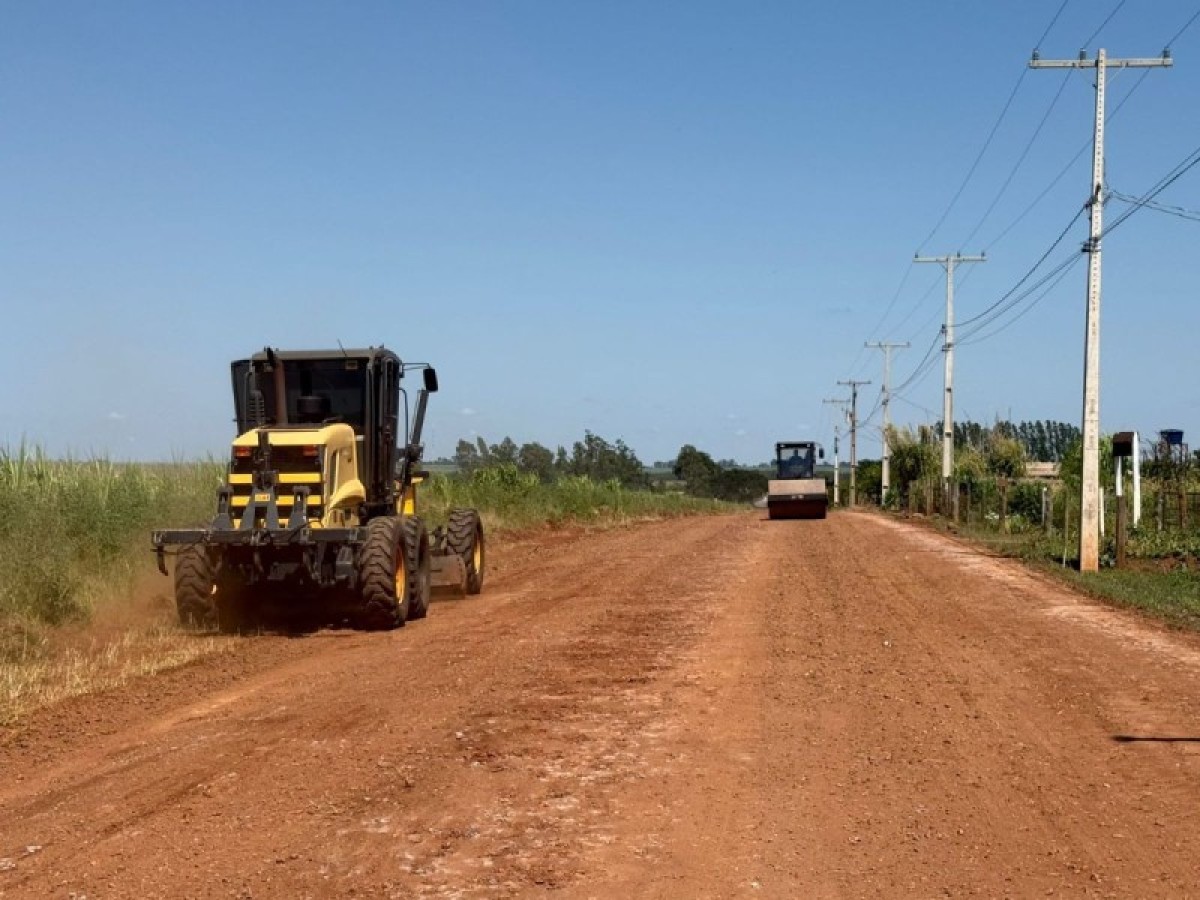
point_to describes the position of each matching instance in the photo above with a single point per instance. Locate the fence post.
(1121, 530)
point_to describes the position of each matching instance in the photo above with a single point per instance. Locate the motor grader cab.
(796, 492)
(319, 505)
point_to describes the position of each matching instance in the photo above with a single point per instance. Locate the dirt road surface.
(710, 707)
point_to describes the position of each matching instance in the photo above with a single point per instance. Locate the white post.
(1137, 480)
(837, 470)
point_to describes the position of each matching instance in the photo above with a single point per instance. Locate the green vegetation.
(593, 457)
(69, 530)
(702, 476)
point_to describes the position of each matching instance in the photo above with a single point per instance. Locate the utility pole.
(948, 263)
(886, 473)
(837, 469)
(1089, 501)
(854, 386)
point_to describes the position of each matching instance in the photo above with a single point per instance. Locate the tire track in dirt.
(907, 718)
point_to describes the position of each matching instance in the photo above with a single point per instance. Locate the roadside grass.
(82, 608)
(1161, 580)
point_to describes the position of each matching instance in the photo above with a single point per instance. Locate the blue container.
(1172, 436)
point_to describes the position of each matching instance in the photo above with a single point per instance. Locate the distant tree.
(466, 457)
(536, 460)
(504, 453)
(601, 461)
(697, 470)
(704, 477)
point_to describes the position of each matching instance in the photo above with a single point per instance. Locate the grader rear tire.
(416, 547)
(195, 588)
(464, 536)
(386, 577)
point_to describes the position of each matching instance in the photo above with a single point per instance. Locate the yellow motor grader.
(318, 512)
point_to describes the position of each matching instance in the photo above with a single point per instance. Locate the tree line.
(593, 457)
(696, 472)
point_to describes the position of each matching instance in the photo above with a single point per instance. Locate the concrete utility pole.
(837, 469)
(1089, 501)
(886, 474)
(948, 263)
(854, 386)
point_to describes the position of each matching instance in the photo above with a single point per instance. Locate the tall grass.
(68, 528)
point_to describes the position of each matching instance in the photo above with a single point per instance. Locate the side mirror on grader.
(319, 507)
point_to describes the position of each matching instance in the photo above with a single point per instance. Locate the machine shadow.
(1154, 739)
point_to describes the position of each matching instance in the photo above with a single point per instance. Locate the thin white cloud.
(466, 411)
(116, 417)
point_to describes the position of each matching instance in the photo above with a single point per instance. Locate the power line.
(1046, 33)
(1020, 159)
(1186, 26)
(1058, 240)
(1179, 211)
(1062, 271)
(1091, 37)
(1058, 272)
(978, 158)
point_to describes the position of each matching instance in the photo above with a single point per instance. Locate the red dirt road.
(711, 707)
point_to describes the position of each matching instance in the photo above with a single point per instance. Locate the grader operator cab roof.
(308, 387)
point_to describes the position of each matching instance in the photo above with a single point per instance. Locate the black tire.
(416, 546)
(464, 537)
(195, 598)
(384, 575)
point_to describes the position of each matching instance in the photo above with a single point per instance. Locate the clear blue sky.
(667, 222)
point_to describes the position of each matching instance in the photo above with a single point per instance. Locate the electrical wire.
(978, 158)
(1020, 159)
(1046, 33)
(1091, 37)
(1058, 240)
(918, 367)
(1179, 211)
(1064, 270)
(1058, 272)
(1186, 26)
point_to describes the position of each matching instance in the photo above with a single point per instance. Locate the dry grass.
(50, 675)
